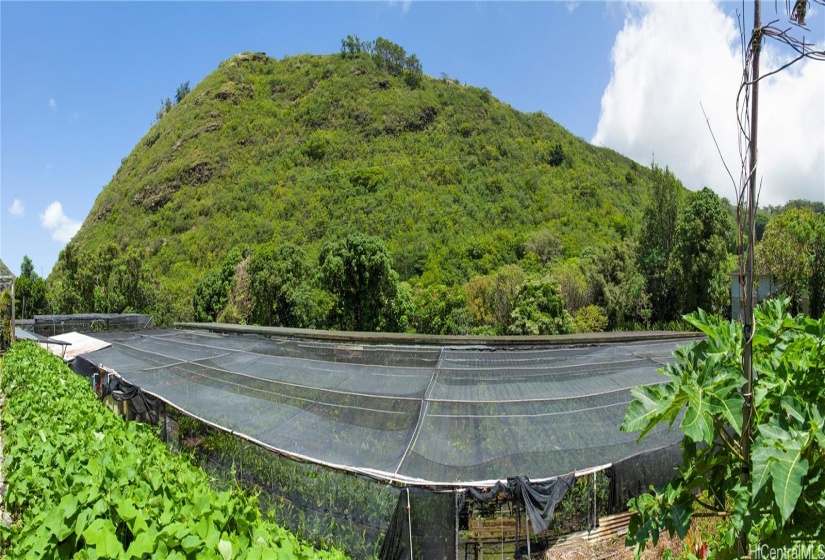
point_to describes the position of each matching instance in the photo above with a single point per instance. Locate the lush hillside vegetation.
(311, 148)
(351, 191)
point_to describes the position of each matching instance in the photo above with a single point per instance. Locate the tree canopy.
(788, 249)
(698, 267)
(358, 271)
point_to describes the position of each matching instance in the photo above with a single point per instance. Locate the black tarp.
(538, 498)
(633, 476)
(141, 403)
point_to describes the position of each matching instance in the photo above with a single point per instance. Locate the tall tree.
(617, 285)
(816, 282)
(29, 292)
(278, 274)
(656, 242)
(212, 291)
(390, 56)
(358, 271)
(27, 268)
(438, 309)
(786, 252)
(539, 309)
(697, 268)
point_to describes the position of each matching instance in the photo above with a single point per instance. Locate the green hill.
(311, 148)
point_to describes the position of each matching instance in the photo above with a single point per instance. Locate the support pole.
(595, 503)
(409, 522)
(501, 528)
(456, 523)
(527, 531)
(747, 352)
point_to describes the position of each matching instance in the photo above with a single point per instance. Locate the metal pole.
(456, 523)
(747, 352)
(595, 504)
(409, 522)
(501, 528)
(527, 530)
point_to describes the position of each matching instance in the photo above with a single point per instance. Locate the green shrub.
(591, 318)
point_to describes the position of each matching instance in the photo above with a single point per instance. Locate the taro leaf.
(126, 510)
(787, 472)
(212, 537)
(82, 521)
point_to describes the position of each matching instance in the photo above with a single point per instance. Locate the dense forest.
(352, 191)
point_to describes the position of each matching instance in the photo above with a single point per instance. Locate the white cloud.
(53, 104)
(405, 5)
(669, 58)
(571, 6)
(62, 227)
(17, 208)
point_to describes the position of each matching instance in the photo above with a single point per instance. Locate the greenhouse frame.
(389, 445)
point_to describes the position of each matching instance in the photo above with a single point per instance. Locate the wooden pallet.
(609, 526)
(494, 529)
(504, 528)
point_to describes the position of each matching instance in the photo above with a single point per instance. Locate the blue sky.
(80, 82)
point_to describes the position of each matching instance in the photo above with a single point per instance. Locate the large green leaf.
(697, 423)
(787, 471)
(101, 533)
(642, 411)
(761, 458)
(727, 401)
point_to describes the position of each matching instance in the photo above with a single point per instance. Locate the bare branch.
(707, 120)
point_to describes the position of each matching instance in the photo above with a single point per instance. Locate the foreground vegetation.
(783, 504)
(83, 483)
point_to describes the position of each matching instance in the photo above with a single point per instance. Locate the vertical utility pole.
(747, 352)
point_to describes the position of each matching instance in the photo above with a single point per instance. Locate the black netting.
(454, 415)
(325, 507)
(634, 475)
(423, 520)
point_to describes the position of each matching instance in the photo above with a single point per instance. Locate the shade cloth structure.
(435, 415)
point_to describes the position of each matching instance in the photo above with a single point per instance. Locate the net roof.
(420, 414)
